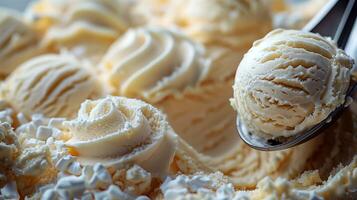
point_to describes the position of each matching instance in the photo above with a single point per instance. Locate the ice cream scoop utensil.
(335, 20)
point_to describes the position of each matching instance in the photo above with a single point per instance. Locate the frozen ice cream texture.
(69, 24)
(18, 41)
(53, 85)
(116, 131)
(184, 66)
(290, 81)
(231, 23)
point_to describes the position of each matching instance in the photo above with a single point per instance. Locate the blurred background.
(282, 20)
(16, 4)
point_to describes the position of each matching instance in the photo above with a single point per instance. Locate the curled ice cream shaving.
(53, 85)
(95, 182)
(18, 41)
(33, 161)
(199, 186)
(8, 144)
(138, 181)
(37, 156)
(234, 24)
(116, 131)
(9, 149)
(289, 81)
(68, 164)
(152, 63)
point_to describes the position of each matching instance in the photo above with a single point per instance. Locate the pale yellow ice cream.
(169, 70)
(226, 29)
(199, 112)
(229, 23)
(152, 63)
(53, 85)
(289, 81)
(86, 28)
(18, 41)
(117, 131)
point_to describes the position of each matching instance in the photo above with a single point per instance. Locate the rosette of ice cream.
(117, 131)
(86, 28)
(152, 63)
(53, 85)
(18, 41)
(290, 81)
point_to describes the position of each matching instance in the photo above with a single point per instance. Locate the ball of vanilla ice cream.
(53, 85)
(18, 41)
(290, 81)
(232, 23)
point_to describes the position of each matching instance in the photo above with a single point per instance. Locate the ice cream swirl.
(151, 63)
(116, 131)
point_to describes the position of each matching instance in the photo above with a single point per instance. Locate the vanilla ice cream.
(53, 85)
(152, 63)
(199, 112)
(84, 27)
(116, 131)
(234, 24)
(9, 151)
(226, 29)
(165, 68)
(18, 41)
(289, 81)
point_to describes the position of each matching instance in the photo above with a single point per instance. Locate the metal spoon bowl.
(281, 143)
(340, 14)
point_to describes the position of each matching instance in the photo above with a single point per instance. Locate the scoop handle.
(335, 20)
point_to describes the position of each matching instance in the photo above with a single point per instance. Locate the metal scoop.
(335, 20)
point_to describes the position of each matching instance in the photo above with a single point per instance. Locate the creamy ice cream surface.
(289, 81)
(53, 85)
(116, 131)
(86, 28)
(18, 41)
(152, 63)
(61, 137)
(230, 23)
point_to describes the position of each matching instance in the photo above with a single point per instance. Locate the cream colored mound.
(53, 85)
(152, 63)
(117, 131)
(86, 28)
(289, 81)
(18, 41)
(229, 23)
